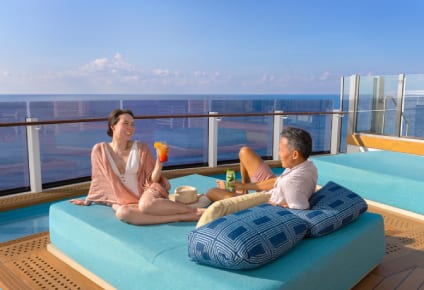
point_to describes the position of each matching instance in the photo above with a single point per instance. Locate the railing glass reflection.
(65, 148)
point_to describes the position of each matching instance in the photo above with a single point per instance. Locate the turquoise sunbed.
(156, 257)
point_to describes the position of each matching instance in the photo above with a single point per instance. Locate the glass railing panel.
(13, 159)
(389, 122)
(187, 138)
(252, 131)
(413, 107)
(364, 104)
(13, 148)
(236, 132)
(319, 126)
(377, 104)
(187, 145)
(391, 103)
(65, 150)
(45, 110)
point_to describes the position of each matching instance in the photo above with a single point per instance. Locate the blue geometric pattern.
(332, 207)
(246, 239)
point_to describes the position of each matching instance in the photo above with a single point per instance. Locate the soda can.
(230, 178)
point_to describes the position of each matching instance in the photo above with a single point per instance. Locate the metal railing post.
(34, 159)
(400, 106)
(278, 126)
(353, 103)
(335, 133)
(213, 140)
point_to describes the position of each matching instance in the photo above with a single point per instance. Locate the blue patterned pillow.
(246, 239)
(332, 207)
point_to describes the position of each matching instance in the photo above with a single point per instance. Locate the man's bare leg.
(249, 163)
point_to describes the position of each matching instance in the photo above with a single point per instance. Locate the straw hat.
(188, 195)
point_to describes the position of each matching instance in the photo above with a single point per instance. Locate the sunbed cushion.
(332, 207)
(227, 206)
(246, 239)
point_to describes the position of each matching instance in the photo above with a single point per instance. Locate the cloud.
(266, 78)
(161, 72)
(104, 65)
(210, 78)
(5, 74)
(291, 83)
(116, 74)
(324, 76)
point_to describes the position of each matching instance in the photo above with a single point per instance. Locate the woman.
(126, 176)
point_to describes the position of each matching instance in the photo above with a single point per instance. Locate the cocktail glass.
(162, 150)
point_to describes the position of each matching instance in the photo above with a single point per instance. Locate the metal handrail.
(33, 125)
(87, 120)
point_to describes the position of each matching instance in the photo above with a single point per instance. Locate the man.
(293, 187)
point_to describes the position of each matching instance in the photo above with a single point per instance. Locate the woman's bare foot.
(200, 211)
(79, 202)
(193, 216)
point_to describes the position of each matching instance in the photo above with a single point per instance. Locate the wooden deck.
(403, 264)
(26, 263)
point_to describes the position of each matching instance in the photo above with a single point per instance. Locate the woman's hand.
(157, 171)
(161, 151)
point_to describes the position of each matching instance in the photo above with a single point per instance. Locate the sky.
(204, 46)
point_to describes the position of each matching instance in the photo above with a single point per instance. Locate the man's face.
(286, 153)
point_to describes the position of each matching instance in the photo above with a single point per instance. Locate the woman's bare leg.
(132, 215)
(153, 204)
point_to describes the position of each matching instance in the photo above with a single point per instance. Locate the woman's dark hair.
(298, 139)
(114, 119)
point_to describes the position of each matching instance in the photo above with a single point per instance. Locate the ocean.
(65, 148)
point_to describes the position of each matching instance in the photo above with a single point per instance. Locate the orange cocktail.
(162, 150)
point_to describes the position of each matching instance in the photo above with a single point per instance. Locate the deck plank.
(402, 263)
(9, 280)
(393, 282)
(414, 280)
(26, 264)
(370, 282)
